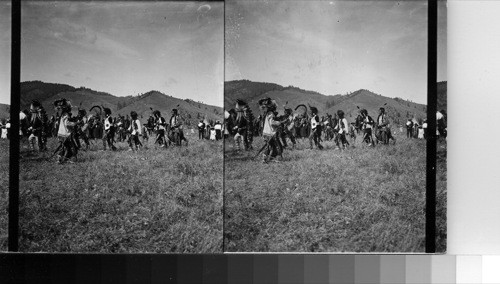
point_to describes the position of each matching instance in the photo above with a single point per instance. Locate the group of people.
(277, 129)
(419, 130)
(212, 131)
(71, 130)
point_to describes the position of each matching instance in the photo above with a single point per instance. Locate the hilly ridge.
(47, 93)
(398, 109)
(4, 111)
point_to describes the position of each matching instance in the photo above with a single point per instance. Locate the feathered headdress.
(268, 103)
(314, 110)
(240, 104)
(63, 104)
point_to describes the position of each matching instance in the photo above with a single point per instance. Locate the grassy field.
(154, 200)
(358, 200)
(4, 193)
(158, 200)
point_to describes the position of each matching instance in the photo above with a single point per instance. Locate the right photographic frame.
(326, 126)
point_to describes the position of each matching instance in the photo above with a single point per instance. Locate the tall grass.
(153, 200)
(359, 200)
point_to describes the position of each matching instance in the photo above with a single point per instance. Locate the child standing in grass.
(212, 133)
(135, 131)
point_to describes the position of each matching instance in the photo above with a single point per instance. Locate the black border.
(430, 194)
(15, 89)
(20, 267)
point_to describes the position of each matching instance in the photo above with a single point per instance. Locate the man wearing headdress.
(315, 134)
(37, 126)
(367, 124)
(81, 128)
(240, 126)
(176, 127)
(342, 129)
(328, 127)
(270, 128)
(65, 131)
(160, 124)
(247, 112)
(287, 127)
(135, 130)
(383, 125)
(247, 118)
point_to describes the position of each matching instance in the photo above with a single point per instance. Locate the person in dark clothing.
(247, 112)
(37, 126)
(287, 128)
(409, 128)
(201, 130)
(160, 125)
(367, 125)
(240, 129)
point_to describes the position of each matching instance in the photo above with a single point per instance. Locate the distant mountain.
(41, 91)
(47, 93)
(398, 109)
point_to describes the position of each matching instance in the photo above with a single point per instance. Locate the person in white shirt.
(315, 129)
(109, 130)
(212, 133)
(135, 130)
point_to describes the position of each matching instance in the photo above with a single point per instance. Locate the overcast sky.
(126, 48)
(333, 47)
(5, 45)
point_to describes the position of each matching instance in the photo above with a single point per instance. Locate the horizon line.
(140, 94)
(292, 86)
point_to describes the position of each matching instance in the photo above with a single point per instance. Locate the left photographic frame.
(5, 124)
(119, 101)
